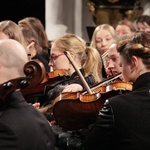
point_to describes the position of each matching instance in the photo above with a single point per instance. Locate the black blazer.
(124, 121)
(22, 127)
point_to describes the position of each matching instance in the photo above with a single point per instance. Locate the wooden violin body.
(74, 111)
(50, 78)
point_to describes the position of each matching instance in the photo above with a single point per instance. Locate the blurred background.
(74, 16)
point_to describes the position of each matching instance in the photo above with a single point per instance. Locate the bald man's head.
(13, 57)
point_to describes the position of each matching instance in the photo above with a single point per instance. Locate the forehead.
(140, 24)
(112, 50)
(55, 49)
(122, 27)
(103, 33)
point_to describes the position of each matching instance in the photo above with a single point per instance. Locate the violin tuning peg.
(24, 83)
(7, 85)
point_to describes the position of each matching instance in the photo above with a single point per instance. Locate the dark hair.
(137, 45)
(143, 19)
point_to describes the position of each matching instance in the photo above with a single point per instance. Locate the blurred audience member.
(125, 28)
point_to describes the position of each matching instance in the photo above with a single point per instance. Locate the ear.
(135, 63)
(72, 55)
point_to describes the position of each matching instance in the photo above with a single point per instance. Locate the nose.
(110, 64)
(103, 43)
(119, 34)
(50, 63)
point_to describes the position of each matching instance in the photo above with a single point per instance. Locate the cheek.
(58, 65)
(98, 45)
(119, 69)
(118, 66)
(62, 64)
(126, 73)
(109, 42)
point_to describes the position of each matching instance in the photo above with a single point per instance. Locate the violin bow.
(105, 81)
(78, 71)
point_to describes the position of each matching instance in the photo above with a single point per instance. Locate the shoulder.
(7, 136)
(121, 100)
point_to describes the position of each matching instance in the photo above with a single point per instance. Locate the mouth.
(113, 72)
(104, 48)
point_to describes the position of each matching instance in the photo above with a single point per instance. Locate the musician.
(125, 28)
(88, 62)
(124, 122)
(113, 61)
(38, 27)
(143, 23)
(10, 30)
(103, 36)
(86, 58)
(22, 127)
(33, 43)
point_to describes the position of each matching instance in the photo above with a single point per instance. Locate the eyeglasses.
(53, 57)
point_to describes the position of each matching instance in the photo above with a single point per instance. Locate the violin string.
(105, 82)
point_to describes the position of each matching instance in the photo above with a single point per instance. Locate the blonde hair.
(103, 26)
(89, 57)
(13, 31)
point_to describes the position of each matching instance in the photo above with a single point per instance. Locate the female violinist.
(88, 61)
(86, 58)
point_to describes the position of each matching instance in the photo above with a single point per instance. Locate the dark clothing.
(43, 57)
(124, 122)
(22, 127)
(52, 91)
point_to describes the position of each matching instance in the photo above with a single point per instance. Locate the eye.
(120, 64)
(98, 41)
(113, 59)
(55, 56)
(108, 39)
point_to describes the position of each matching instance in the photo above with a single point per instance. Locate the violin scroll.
(36, 71)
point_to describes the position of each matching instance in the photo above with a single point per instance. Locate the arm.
(77, 85)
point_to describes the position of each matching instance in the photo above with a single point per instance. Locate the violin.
(77, 110)
(82, 108)
(48, 78)
(10, 86)
(31, 70)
